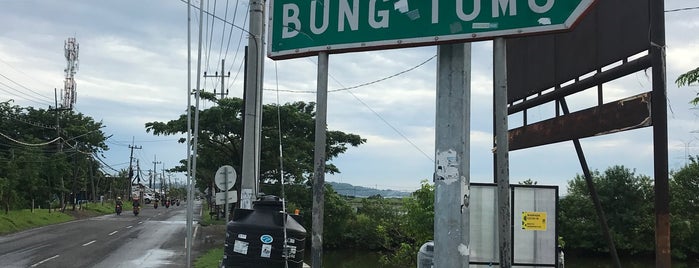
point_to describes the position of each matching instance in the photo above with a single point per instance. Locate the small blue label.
(266, 239)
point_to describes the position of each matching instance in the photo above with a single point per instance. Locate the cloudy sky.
(133, 70)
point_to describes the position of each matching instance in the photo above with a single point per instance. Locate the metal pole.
(191, 158)
(659, 116)
(452, 150)
(225, 191)
(319, 161)
(253, 107)
(502, 147)
(593, 195)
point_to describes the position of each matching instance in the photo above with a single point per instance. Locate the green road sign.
(305, 27)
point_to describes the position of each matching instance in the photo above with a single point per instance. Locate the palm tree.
(686, 79)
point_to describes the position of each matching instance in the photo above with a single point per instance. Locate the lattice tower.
(69, 94)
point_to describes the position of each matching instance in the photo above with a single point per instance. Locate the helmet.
(118, 197)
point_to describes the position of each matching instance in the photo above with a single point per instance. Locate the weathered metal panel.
(612, 31)
(622, 115)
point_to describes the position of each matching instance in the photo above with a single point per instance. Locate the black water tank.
(255, 237)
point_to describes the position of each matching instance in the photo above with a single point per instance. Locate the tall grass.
(18, 220)
(209, 260)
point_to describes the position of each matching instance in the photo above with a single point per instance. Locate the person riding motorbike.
(119, 205)
(136, 206)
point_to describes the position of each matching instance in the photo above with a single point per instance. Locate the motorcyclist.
(119, 205)
(136, 206)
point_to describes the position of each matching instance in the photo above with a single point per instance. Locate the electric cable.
(681, 9)
(281, 169)
(30, 144)
(28, 97)
(22, 86)
(348, 89)
(235, 57)
(363, 84)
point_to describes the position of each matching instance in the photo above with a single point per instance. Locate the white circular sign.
(223, 174)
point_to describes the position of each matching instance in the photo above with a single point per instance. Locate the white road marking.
(194, 236)
(88, 243)
(129, 227)
(41, 262)
(113, 233)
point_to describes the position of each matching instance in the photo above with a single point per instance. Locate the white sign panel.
(225, 177)
(221, 197)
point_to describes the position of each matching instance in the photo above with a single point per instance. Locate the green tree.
(221, 133)
(684, 210)
(632, 226)
(687, 79)
(418, 227)
(378, 224)
(337, 217)
(29, 157)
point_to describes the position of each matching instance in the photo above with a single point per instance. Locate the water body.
(359, 258)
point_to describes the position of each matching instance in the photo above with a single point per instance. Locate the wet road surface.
(155, 238)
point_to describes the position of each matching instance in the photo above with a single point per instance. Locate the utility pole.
(75, 175)
(222, 78)
(253, 106)
(162, 178)
(59, 144)
(452, 150)
(138, 177)
(155, 173)
(132, 147)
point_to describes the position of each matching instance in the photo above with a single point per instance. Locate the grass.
(210, 259)
(207, 220)
(19, 220)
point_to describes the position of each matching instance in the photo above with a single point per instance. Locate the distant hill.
(360, 191)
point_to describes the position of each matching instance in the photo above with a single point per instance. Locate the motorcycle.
(136, 210)
(118, 209)
(167, 204)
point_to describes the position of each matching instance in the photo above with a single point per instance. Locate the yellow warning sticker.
(534, 221)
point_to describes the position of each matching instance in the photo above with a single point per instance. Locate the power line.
(28, 97)
(681, 9)
(30, 144)
(235, 57)
(22, 86)
(223, 32)
(360, 85)
(211, 36)
(17, 118)
(348, 89)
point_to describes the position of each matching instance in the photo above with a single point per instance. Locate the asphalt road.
(154, 238)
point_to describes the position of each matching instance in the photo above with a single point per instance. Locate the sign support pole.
(452, 150)
(319, 161)
(663, 258)
(253, 107)
(225, 177)
(502, 148)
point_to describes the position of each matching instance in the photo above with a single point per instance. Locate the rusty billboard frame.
(605, 46)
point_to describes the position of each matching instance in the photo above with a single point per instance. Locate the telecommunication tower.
(69, 95)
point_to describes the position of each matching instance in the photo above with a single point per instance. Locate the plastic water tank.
(425, 257)
(255, 237)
